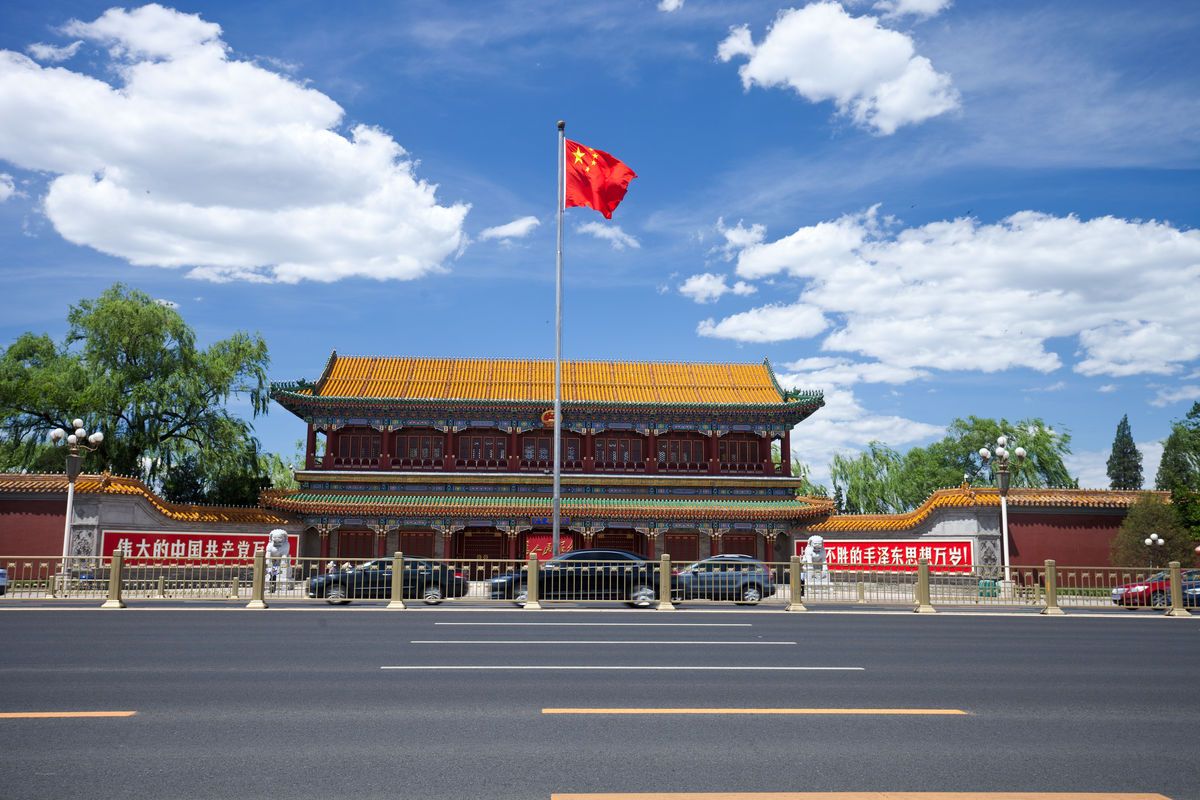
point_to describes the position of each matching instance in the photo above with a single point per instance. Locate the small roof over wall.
(12, 484)
(976, 497)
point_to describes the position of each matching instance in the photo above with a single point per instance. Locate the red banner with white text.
(895, 555)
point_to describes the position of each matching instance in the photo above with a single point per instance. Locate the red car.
(1154, 591)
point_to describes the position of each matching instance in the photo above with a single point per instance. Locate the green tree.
(1179, 470)
(1180, 464)
(868, 481)
(130, 368)
(881, 481)
(1125, 461)
(1151, 514)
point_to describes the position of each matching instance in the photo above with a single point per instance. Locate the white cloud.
(512, 230)
(917, 8)
(610, 233)
(1108, 387)
(833, 372)
(1166, 397)
(670, 5)
(48, 52)
(871, 73)
(844, 426)
(167, 303)
(708, 288)
(958, 294)
(7, 187)
(195, 160)
(772, 323)
(738, 237)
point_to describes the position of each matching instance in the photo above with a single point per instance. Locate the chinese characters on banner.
(542, 545)
(215, 549)
(896, 554)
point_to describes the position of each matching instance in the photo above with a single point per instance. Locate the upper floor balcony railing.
(512, 464)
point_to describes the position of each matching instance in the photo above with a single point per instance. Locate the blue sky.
(926, 209)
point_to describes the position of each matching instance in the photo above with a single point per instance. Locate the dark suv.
(585, 575)
(727, 577)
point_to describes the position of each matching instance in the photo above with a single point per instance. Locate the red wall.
(32, 527)
(1076, 540)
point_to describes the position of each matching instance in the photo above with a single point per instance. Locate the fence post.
(1177, 609)
(924, 606)
(397, 581)
(116, 568)
(260, 573)
(161, 591)
(664, 584)
(234, 588)
(1051, 608)
(796, 586)
(531, 584)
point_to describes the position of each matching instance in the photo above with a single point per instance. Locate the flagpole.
(562, 160)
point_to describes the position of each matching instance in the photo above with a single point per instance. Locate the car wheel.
(522, 595)
(641, 596)
(433, 594)
(1158, 599)
(336, 595)
(751, 594)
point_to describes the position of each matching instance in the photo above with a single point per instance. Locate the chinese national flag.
(595, 179)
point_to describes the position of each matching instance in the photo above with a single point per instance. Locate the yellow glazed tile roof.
(111, 484)
(528, 380)
(967, 496)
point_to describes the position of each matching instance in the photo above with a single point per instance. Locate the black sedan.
(727, 577)
(585, 575)
(427, 580)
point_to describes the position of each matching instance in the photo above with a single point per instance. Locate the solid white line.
(584, 667)
(613, 624)
(573, 641)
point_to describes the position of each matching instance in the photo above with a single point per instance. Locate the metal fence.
(791, 585)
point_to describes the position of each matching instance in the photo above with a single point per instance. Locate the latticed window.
(358, 445)
(537, 448)
(618, 448)
(738, 450)
(486, 447)
(681, 450)
(420, 445)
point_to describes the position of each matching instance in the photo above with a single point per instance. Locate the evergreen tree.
(1125, 461)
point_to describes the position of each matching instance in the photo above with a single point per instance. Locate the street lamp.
(74, 443)
(1153, 541)
(1003, 480)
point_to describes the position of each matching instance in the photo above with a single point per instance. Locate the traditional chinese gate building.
(453, 458)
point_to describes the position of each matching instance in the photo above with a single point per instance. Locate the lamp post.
(1003, 480)
(1153, 541)
(74, 443)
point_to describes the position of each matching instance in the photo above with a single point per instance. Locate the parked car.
(586, 575)
(1191, 593)
(740, 578)
(1154, 591)
(430, 581)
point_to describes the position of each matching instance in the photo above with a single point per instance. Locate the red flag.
(595, 179)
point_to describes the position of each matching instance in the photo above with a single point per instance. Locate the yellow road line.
(867, 796)
(831, 711)
(61, 714)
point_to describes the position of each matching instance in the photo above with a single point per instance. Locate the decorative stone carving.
(815, 560)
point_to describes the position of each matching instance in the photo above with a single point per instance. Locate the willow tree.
(882, 481)
(129, 367)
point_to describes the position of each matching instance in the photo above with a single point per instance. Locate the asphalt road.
(449, 703)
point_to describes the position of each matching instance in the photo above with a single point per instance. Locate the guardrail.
(662, 584)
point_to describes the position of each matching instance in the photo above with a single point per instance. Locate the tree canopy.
(1179, 470)
(130, 368)
(880, 480)
(1150, 514)
(1125, 460)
